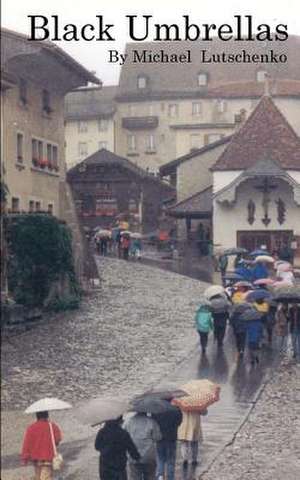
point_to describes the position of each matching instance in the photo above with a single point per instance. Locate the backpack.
(203, 319)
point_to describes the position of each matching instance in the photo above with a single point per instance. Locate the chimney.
(240, 118)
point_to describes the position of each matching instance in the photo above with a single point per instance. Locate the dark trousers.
(142, 471)
(107, 473)
(219, 332)
(240, 339)
(203, 340)
(125, 253)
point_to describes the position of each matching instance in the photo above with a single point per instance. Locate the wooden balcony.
(140, 123)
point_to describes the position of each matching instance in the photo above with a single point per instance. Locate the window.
(131, 143)
(49, 153)
(196, 108)
(37, 206)
(102, 125)
(173, 110)
(102, 145)
(221, 106)
(82, 149)
(40, 150)
(37, 151)
(15, 205)
(20, 143)
(202, 79)
(23, 91)
(50, 208)
(261, 75)
(82, 127)
(31, 206)
(54, 156)
(142, 82)
(150, 143)
(195, 140)
(46, 101)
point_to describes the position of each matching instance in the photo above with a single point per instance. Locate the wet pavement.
(136, 332)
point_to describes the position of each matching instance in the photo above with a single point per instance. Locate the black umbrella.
(287, 298)
(251, 314)
(233, 276)
(219, 305)
(151, 405)
(235, 251)
(160, 394)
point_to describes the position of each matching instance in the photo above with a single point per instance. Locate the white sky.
(94, 55)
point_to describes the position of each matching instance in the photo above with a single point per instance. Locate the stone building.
(106, 186)
(166, 110)
(33, 157)
(89, 122)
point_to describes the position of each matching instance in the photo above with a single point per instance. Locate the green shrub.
(40, 253)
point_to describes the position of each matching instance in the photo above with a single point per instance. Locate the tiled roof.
(165, 78)
(266, 135)
(200, 202)
(86, 103)
(252, 89)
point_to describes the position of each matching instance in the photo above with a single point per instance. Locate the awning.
(198, 206)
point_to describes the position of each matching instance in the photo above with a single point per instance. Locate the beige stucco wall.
(194, 174)
(27, 183)
(174, 142)
(227, 220)
(93, 136)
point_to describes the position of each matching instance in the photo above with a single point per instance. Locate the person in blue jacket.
(254, 335)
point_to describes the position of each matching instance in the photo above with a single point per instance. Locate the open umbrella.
(263, 281)
(200, 395)
(287, 298)
(126, 232)
(163, 394)
(213, 291)
(233, 277)
(250, 314)
(235, 251)
(102, 233)
(219, 305)
(48, 404)
(243, 284)
(260, 294)
(136, 235)
(264, 259)
(259, 251)
(284, 267)
(151, 405)
(99, 410)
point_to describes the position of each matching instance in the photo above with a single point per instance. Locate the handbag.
(57, 461)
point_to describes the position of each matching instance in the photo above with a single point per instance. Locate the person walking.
(223, 264)
(220, 314)
(190, 435)
(125, 245)
(144, 432)
(294, 322)
(254, 330)
(281, 325)
(204, 324)
(113, 443)
(239, 327)
(166, 447)
(38, 446)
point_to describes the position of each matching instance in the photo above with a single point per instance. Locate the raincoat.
(37, 445)
(203, 319)
(254, 331)
(190, 429)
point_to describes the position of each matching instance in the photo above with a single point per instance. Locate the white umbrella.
(213, 290)
(284, 267)
(264, 259)
(136, 235)
(47, 404)
(126, 232)
(99, 410)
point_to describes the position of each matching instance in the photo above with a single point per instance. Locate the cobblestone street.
(125, 338)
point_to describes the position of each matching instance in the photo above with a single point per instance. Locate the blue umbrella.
(260, 294)
(258, 252)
